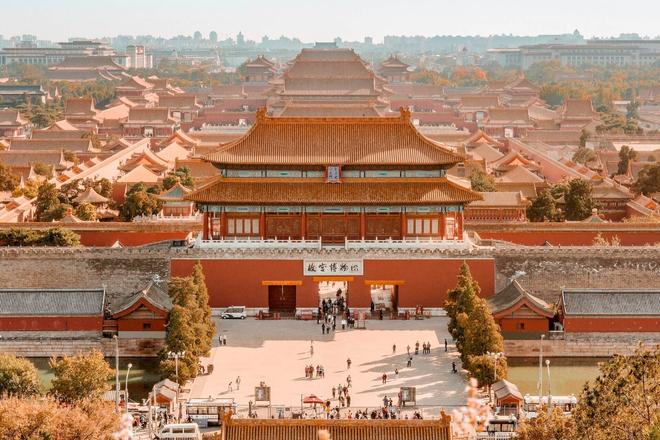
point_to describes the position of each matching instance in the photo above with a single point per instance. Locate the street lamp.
(540, 382)
(495, 356)
(176, 356)
(116, 338)
(128, 370)
(547, 364)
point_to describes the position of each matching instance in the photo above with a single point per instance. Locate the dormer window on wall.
(333, 174)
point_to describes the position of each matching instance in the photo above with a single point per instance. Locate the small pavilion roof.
(176, 193)
(139, 174)
(173, 152)
(152, 296)
(62, 125)
(358, 191)
(11, 117)
(334, 141)
(503, 388)
(90, 196)
(513, 295)
(519, 174)
(500, 200)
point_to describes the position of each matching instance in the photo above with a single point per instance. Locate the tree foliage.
(18, 377)
(584, 155)
(190, 327)
(543, 208)
(482, 368)
(626, 154)
(48, 204)
(86, 212)
(579, 204)
(140, 200)
(648, 180)
(50, 237)
(623, 402)
(482, 182)
(460, 301)
(8, 180)
(552, 426)
(48, 419)
(80, 377)
(180, 175)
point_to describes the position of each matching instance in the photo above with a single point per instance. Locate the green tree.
(648, 180)
(42, 169)
(180, 175)
(80, 377)
(553, 426)
(48, 205)
(8, 180)
(579, 203)
(626, 154)
(29, 190)
(205, 327)
(482, 334)
(632, 110)
(543, 208)
(482, 368)
(71, 156)
(18, 377)
(460, 303)
(180, 338)
(86, 212)
(482, 182)
(584, 137)
(623, 402)
(59, 237)
(584, 155)
(140, 201)
(17, 237)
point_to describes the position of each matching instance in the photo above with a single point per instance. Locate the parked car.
(187, 431)
(234, 312)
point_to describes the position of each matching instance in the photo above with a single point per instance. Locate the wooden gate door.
(282, 299)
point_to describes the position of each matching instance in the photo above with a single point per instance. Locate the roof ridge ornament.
(405, 114)
(261, 115)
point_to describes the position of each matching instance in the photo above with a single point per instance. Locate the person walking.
(238, 383)
(445, 345)
(396, 373)
(348, 400)
(409, 363)
(384, 378)
(394, 349)
(229, 387)
(453, 367)
(348, 363)
(334, 392)
(224, 339)
(349, 380)
(311, 351)
(323, 328)
(408, 349)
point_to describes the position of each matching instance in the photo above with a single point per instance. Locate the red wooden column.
(262, 225)
(459, 225)
(443, 225)
(211, 217)
(303, 225)
(363, 224)
(205, 226)
(403, 225)
(223, 224)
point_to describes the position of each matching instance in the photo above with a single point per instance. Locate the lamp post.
(176, 356)
(128, 370)
(496, 356)
(547, 364)
(116, 338)
(540, 382)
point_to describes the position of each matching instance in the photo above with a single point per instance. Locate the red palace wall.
(509, 325)
(611, 324)
(52, 323)
(136, 325)
(127, 238)
(421, 282)
(569, 238)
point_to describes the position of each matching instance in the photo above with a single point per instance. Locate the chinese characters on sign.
(332, 268)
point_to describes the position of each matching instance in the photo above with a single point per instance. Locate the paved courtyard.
(277, 352)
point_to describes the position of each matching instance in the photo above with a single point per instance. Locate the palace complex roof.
(51, 302)
(75, 145)
(302, 429)
(90, 196)
(334, 141)
(11, 117)
(316, 191)
(151, 297)
(625, 302)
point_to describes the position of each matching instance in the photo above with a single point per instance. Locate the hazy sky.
(314, 20)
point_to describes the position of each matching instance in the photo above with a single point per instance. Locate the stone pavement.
(277, 352)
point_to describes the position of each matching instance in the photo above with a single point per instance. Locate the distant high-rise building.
(213, 36)
(240, 39)
(368, 41)
(197, 35)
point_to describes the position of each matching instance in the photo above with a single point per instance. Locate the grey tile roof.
(51, 302)
(514, 293)
(625, 302)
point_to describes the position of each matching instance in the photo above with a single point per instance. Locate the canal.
(568, 375)
(143, 375)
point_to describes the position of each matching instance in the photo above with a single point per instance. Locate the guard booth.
(408, 395)
(209, 411)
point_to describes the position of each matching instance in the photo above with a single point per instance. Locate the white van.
(188, 431)
(234, 312)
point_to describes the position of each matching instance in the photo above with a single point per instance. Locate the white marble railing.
(495, 435)
(159, 218)
(256, 243)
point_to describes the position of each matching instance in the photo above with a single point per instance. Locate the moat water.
(143, 375)
(567, 375)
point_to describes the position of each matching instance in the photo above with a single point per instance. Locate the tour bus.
(531, 404)
(187, 431)
(499, 428)
(209, 411)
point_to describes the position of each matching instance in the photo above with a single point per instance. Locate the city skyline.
(341, 18)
